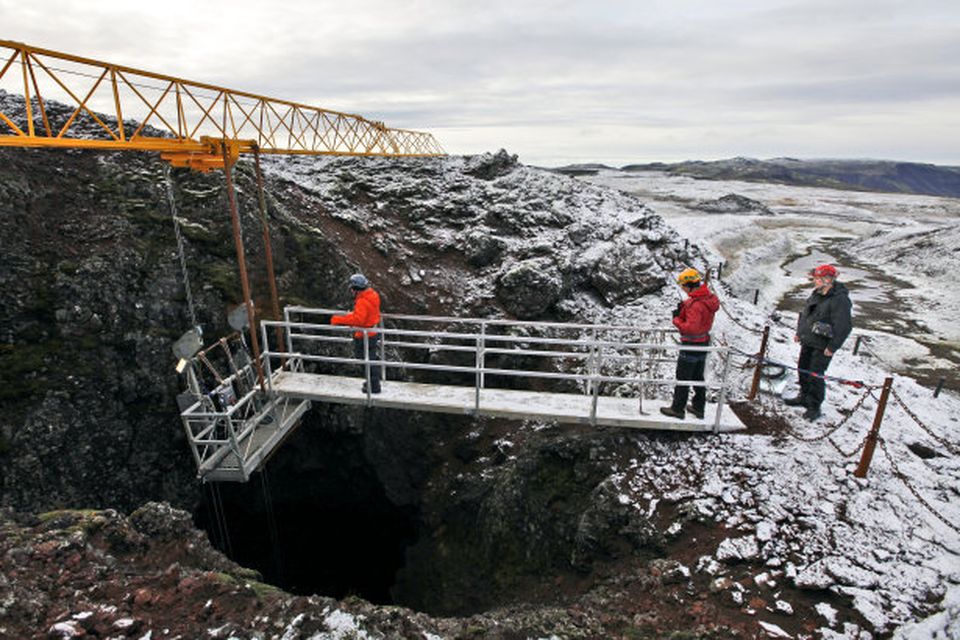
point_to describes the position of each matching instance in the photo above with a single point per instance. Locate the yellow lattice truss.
(189, 123)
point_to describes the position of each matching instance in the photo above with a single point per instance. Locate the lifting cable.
(271, 523)
(220, 518)
(180, 250)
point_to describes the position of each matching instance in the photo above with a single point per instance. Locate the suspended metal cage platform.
(599, 375)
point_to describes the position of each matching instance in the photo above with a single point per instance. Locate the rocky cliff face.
(92, 294)
(96, 574)
(92, 299)
(520, 529)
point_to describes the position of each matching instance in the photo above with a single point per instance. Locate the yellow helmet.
(689, 276)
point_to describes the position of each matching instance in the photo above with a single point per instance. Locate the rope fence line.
(916, 494)
(838, 426)
(950, 447)
(723, 307)
(872, 437)
(849, 454)
(755, 358)
(866, 347)
(869, 393)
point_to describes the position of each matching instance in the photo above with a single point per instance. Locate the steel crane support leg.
(268, 249)
(242, 263)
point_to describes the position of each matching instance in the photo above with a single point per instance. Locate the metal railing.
(232, 424)
(625, 360)
(224, 418)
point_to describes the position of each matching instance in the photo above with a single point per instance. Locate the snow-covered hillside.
(900, 251)
(790, 505)
(765, 531)
(870, 539)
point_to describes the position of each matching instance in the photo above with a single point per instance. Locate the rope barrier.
(916, 494)
(837, 427)
(752, 359)
(949, 446)
(723, 307)
(865, 346)
(851, 453)
(859, 384)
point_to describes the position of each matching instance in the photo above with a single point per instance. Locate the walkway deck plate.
(508, 403)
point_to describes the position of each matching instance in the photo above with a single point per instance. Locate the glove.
(676, 311)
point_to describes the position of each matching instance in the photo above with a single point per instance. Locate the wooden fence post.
(755, 387)
(871, 442)
(936, 392)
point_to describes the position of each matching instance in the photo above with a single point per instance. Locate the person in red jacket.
(694, 319)
(365, 314)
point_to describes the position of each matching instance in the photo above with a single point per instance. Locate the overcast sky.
(564, 81)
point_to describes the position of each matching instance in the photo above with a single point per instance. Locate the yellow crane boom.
(190, 123)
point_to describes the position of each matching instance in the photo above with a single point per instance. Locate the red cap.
(825, 271)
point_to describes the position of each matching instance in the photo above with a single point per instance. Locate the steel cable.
(180, 247)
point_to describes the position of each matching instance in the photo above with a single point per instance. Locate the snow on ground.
(914, 238)
(795, 504)
(890, 542)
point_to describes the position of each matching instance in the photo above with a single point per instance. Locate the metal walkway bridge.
(601, 375)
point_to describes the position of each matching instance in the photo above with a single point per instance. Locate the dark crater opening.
(333, 530)
(428, 511)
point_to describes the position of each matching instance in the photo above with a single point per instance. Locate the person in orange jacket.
(694, 319)
(365, 314)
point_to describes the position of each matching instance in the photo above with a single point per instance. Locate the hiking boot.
(812, 413)
(795, 401)
(673, 413)
(693, 410)
(364, 388)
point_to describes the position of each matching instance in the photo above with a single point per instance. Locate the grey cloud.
(529, 66)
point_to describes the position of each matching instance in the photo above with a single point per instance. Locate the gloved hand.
(676, 311)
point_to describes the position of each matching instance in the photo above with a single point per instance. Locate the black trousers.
(373, 343)
(690, 366)
(813, 389)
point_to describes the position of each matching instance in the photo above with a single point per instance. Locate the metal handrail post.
(593, 402)
(480, 366)
(592, 361)
(232, 432)
(193, 441)
(366, 365)
(286, 319)
(596, 383)
(722, 397)
(483, 357)
(643, 385)
(266, 358)
(383, 350)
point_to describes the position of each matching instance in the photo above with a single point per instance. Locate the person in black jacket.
(823, 326)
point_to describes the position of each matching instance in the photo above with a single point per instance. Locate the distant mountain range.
(860, 175)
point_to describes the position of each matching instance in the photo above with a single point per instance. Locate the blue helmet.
(359, 281)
